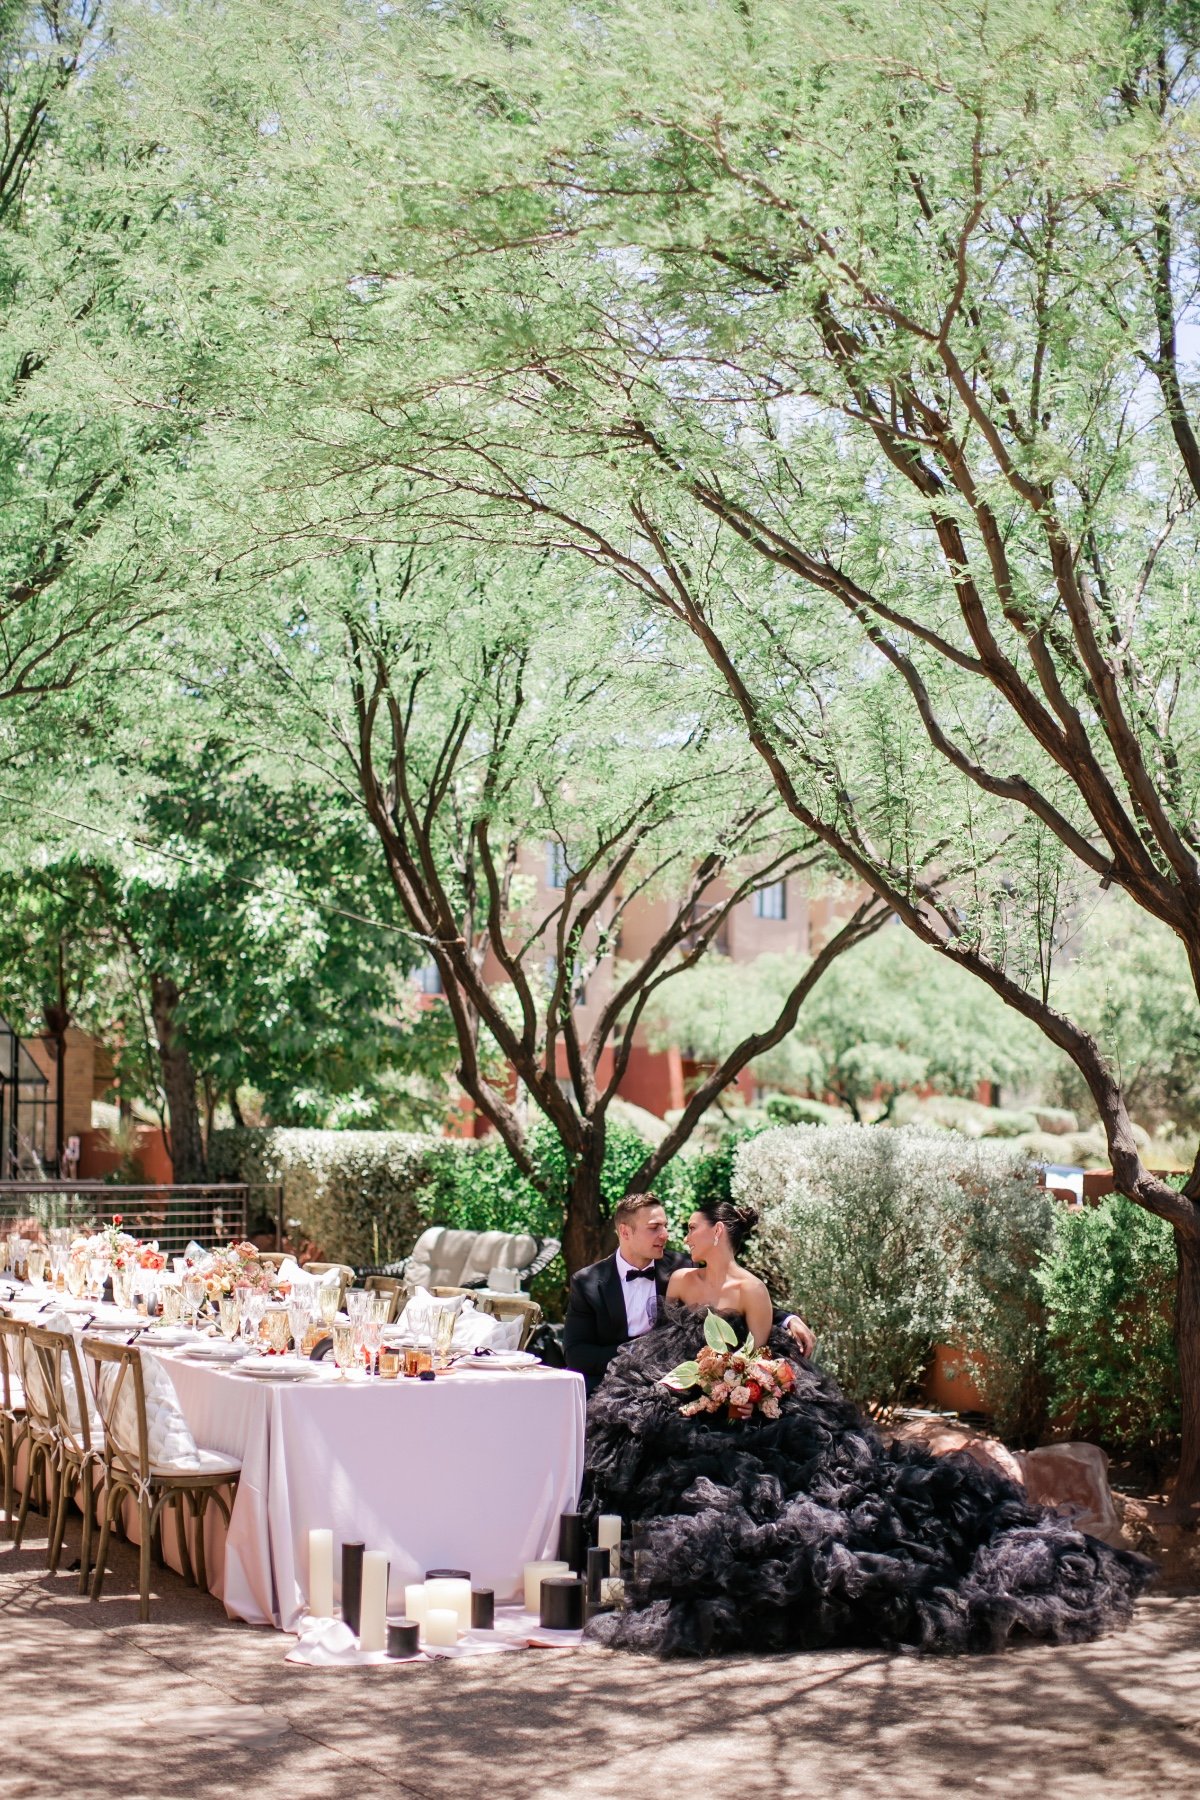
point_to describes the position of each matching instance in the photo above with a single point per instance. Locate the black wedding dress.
(808, 1530)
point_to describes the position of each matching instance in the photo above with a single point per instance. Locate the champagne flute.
(229, 1316)
(327, 1300)
(372, 1336)
(443, 1335)
(97, 1276)
(35, 1264)
(194, 1293)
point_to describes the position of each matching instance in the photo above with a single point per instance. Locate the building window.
(771, 902)
(429, 979)
(557, 864)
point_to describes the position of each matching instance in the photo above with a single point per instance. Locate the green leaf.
(749, 1347)
(684, 1377)
(718, 1332)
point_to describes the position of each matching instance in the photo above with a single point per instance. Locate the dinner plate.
(165, 1340)
(277, 1368)
(115, 1322)
(499, 1359)
(209, 1351)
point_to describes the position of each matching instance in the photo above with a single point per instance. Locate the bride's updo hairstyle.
(739, 1221)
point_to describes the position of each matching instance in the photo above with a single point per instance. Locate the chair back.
(387, 1284)
(343, 1271)
(63, 1386)
(120, 1391)
(39, 1400)
(515, 1306)
(12, 1385)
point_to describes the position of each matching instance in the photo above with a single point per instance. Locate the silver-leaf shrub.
(893, 1241)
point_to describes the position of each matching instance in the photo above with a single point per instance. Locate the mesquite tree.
(856, 344)
(534, 797)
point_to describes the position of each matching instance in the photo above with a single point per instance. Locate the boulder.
(943, 1436)
(1072, 1480)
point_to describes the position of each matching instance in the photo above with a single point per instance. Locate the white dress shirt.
(641, 1299)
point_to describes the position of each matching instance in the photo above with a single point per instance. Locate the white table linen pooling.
(470, 1471)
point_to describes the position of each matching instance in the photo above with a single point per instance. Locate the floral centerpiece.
(735, 1380)
(118, 1248)
(237, 1265)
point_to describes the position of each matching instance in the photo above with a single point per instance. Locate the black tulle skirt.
(808, 1530)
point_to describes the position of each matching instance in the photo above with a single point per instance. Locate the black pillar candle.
(562, 1603)
(572, 1541)
(352, 1558)
(403, 1637)
(599, 1567)
(483, 1609)
(447, 1574)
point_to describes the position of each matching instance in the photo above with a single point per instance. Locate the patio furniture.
(40, 1434)
(513, 1306)
(78, 1451)
(131, 1474)
(14, 1424)
(443, 1257)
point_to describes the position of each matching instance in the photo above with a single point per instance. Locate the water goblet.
(97, 1276)
(35, 1263)
(345, 1348)
(277, 1329)
(378, 1307)
(327, 1300)
(122, 1280)
(356, 1304)
(76, 1274)
(172, 1302)
(299, 1319)
(229, 1316)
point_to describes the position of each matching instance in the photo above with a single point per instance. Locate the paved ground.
(93, 1704)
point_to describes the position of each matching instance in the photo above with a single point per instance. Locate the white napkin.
(330, 1644)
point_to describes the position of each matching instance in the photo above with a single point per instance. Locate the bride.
(797, 1526)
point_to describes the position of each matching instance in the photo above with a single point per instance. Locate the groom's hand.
(803, 1334)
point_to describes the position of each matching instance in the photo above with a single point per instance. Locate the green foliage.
(1108, 1284)
(894, 1241)
(889, 1017)
(795, 1109)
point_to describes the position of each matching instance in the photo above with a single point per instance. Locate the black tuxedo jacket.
(595, 1325)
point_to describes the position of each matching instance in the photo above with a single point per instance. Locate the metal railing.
(210, 1214)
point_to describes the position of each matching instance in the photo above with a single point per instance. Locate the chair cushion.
(498, 1250)
(169, 1436)
(452, 1256)
(35, 1387)
(207, 1462)
(475, 1330)
(418, 1269)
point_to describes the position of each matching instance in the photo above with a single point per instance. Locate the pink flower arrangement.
(736, 1380)
(237, 1265)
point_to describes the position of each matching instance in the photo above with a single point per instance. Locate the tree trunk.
(587, 1233)
(1185, 1495)
(179, 1084)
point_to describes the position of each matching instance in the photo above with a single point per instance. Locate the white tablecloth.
(470, 1471)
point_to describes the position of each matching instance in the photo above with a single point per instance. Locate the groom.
(617, 1299)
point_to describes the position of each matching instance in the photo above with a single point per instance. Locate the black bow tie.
(646, 1274)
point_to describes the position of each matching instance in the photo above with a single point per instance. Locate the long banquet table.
(469, 1471)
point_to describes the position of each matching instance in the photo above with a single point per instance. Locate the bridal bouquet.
(737, 1381)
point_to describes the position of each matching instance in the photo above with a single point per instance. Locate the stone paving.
(96, 1705)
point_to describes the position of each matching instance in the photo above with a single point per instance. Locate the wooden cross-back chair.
(77, 1453)
(118, 1380)
(14, 1423)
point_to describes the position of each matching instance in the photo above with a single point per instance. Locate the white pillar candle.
(320, 1574)
(414, 1602)
(608, 1537)
(445, 1590)
(372, 1619)
(535, 1573)
(441, 1626)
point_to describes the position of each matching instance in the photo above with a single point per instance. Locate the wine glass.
(299, 1319)
(371, 1332)
(35, 1264)
(172, 1302)
(122, 1280)
(253, 1310)
(345, 1347)
(97, 1276)
(229, 1316)
(327, 1300)
(356, 1304)
(58, 1263)
(194, 1293)
(76, 1274)
(378, 1307)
